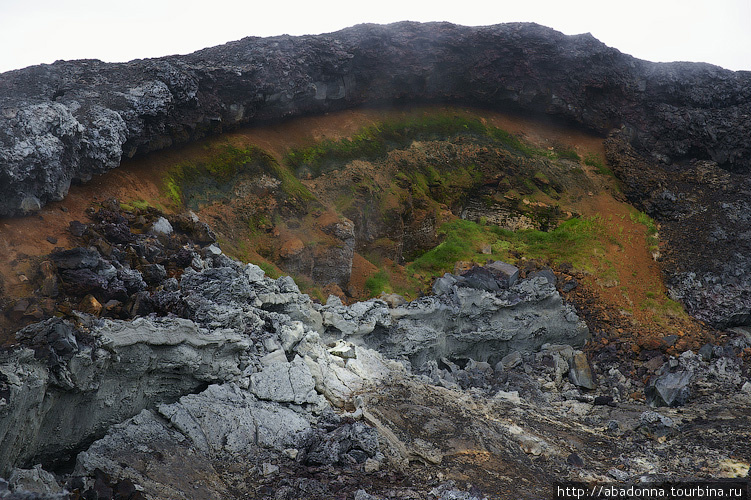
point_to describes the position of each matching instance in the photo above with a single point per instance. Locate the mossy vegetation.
(196, 183)
(415, 171)
(435, 171)
(594, 161)
(653, 240)
(136, 205)
(574, 241)
(378, 283)
(567, 153)
(376, 141)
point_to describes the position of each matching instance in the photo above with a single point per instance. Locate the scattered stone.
(547, 274)
(654, 364)
(580, 372)
(350, 442)
(655, 425)
(482, 366)
(91, 305)
(618, 475)
(670, 340)
(575, 460)
(35, 480)
(706, 352)
(479, 278)
(393, 299)
(343, 349)
(511, 360)
(531, 446)
(213, 250)
(505, 273)
(569, 284)
(671, 389)
(153, 274)
(51, 239)
(269, 469)
(76, 258)
(604, 401)
(162, 226)
(371, 465)
(19, 309)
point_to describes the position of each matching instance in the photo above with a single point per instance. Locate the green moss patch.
(376, 141)
(577, 241)
(197, 183)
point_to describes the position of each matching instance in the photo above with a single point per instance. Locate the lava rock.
(569, 284)
(154, 274)
(670, 389)
(655, 425)
(505, 273)
(580, 372)
(546, 274)
(357, 441)
(706, 352)
(51, 138)
(77, 228)
(604, 401)
(479, 278)
(76, 258)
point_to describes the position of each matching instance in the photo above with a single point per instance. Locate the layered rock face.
(461, 322)
(246, 372)
(257, 390)
(64, 122)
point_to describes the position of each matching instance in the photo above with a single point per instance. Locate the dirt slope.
(625, 303)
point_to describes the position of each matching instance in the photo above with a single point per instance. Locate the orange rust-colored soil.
(631, 304)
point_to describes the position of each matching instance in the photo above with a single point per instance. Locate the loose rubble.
(228, 383)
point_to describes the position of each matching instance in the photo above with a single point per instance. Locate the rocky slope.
(251, 390)
(142, 362)
(64, 122)
(243, 372)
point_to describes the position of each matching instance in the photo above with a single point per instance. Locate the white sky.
(42, 31)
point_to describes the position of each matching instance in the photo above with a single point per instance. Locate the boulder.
(463, 322)
(82, 382)
(34, 480)
(505, 273)
(351, 442)
(285, 382)
(669, 389)
(580, 372)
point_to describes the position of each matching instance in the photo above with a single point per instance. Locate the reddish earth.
(628, 307)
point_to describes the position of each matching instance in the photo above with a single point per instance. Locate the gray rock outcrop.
(55, 405)
(237, 399)
(67, 121)
(461, 322)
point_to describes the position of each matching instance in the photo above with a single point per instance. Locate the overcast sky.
(42, 31)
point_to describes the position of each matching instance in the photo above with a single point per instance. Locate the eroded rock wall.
(69, 120)
(55, 405)
(259, 345)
